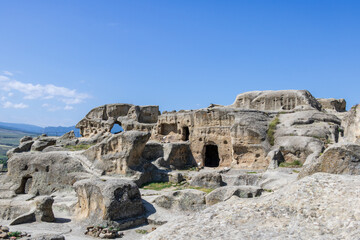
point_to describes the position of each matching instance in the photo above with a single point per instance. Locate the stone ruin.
(258, 132)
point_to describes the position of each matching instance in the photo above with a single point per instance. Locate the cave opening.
(25, 185)
(186, 133)
(211, 156)
(116, 128)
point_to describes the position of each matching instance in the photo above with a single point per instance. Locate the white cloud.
(67, 107)
(4, 78)
(43, 92)
(8, 73)
(14, 105)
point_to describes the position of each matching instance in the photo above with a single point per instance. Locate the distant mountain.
(59, 131)
(22, 127)
(33, 129)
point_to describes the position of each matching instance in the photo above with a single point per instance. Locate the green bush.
(271, 130)
(157, 185)
(295, 163)
(141, 231)
(14, 234)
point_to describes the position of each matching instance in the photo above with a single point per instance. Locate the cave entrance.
(116, 128)
(211, 156)
(185, 133)
(25, 185)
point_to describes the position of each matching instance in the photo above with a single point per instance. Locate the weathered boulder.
(276, 100)
(68, 138)
(175, 177)
(25, 139)
(351, 123)
(225, 193)
(275, 157)
(112, 200)
(207, 180)
(241, 178)
(183, 200)
(24, 146)
(342, 158)
(119, 152)
(302, 210)
(302, 136)
(43, 173)
(41, 212)
(43, 142)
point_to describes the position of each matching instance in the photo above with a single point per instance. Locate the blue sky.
(59, 59)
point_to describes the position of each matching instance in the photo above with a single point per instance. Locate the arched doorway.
(25, 185)
(211, 156)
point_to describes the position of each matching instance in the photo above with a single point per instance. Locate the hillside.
(10, 139)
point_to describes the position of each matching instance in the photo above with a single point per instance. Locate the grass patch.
(141, 231)
(251, 172)
(14, 234)
(295, 163)
(78, 147)
(271, 130)
(157, 186)
(205, 190)
(268, 190)
(193, 169)
(296, 171)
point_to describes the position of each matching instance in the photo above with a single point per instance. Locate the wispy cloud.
(32, 91)
(67, 107)
(8, 73)
(14, 105)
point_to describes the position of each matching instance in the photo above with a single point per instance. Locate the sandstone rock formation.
(109, 200)
(183, 200)
(118, 152)
(351, 123)
(128, 116)
(332, 104)
(41, 212)
(320, 206)
(207, 180)
(43, 173)
(276, 100)
(246, 149)
(342, 158)
(225, 193)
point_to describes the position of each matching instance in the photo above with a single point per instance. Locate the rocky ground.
(170, 204)
(321, 206)
(273, 165)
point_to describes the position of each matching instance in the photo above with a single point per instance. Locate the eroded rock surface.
(342, 158)
(183, 200)
(320, 206)
(351, 123)
(43, 173)
(128, 116)
(276, 100)
(119, 152)
(113, 200)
